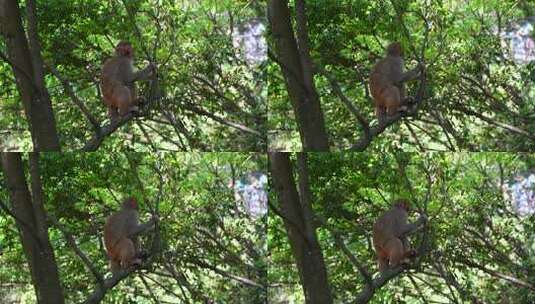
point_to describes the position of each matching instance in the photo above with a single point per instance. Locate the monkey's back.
(380, 78)
(111, 236)
(383, 82)
(116, 227)
(114, 75)
(388, 226)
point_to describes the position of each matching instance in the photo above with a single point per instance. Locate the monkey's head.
(130, 203)
(403, 204)
(394, 49)
(124, 48)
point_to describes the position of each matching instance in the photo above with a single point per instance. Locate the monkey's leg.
(406, 101)
(382, 256)
(140, 253)
(135, 241)
(124, 101)
(409, 252)
(394, 247)
(383, 264)
(110, 103)
(402, 93)
(137, 101)
(115, 266)
(381, 114)
(392, 100)
(113, 113)
(127, 253)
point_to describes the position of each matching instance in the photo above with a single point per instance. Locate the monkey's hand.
(153, 68)
(422, 219)
(153, 220)
(421, 67)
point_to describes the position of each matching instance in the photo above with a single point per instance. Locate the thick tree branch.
(68, 89)
(94, 143)
(338, 91)
(72, 243)
(306, 250)
(296, 66)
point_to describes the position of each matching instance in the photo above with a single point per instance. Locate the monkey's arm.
(143, 74)
(410, 75)
(411, 228)
(142, 227)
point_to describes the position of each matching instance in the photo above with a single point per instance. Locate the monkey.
(117, 81)
(386, 82)
(120, 236)
(389, 235)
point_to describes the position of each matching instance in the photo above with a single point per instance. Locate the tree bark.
(33, 231)
(297, 216)
(297, 68)
(27, 68)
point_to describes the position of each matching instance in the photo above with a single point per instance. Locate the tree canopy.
(207, 248)
(209, 93)
(475, 248)
(476, 93)
(281, 151)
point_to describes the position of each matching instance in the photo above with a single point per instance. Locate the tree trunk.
(297, 217)
(30, 219)
(297, 68)
(29, 76)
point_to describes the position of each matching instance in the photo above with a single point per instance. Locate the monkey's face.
(124, 49)
(394, 49)
(130, 203)
(403, 204)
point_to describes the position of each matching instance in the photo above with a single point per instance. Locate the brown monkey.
(120, 235)
(389, 235)
(117, 81)
(386, 82)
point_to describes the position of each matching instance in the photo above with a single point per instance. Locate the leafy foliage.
(209, 93)
(481, 250)
(212, 249)
(476, 97)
